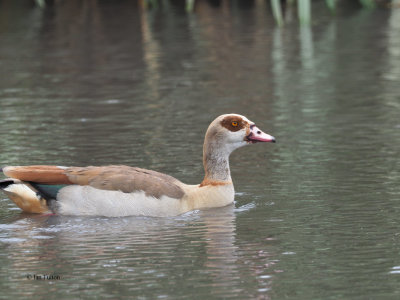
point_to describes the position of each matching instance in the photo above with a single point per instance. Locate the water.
(316, 215)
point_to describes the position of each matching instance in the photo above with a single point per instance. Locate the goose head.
(232, 131)
(225, 134)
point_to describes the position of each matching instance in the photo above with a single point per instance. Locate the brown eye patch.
(233, 123)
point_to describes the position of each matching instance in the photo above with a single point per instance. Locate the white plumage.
(124, 191)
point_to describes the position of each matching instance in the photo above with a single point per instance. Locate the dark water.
(106, 82)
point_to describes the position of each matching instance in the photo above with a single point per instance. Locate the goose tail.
(24, 196)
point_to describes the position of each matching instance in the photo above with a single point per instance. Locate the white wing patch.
(20, 189)
(26, 199)
(87, 200)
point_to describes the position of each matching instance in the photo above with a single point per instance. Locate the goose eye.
(234, 123)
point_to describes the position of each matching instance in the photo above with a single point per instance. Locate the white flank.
(86, 200)
(22, 190)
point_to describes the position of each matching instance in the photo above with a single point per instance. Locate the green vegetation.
(331, 5)
(304, 9)
(368, 3)
(277, 11)
(190, 5)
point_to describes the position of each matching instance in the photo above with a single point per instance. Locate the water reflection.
(316, 213)
(204, 241)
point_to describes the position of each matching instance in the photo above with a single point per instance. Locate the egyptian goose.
(124, 191)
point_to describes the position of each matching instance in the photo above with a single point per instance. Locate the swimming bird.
(118, 190)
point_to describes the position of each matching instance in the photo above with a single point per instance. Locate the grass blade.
(277, 11)
(40, 3)
(369, 4)
(331, 5)
(190, 5)
(304, 11)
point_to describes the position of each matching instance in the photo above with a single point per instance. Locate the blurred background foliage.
(278, 7)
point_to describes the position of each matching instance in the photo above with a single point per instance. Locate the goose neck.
(216, 162)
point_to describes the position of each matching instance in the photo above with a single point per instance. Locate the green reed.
(368, 3)
(331, 5)
(277, 11)
(304, 9)
(190, 5)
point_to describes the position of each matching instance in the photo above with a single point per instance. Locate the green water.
(316, 214)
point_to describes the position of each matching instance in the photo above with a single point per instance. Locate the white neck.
(216, 161)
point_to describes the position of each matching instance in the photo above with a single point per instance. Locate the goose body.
(124, 191)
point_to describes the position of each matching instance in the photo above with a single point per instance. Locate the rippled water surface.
(108, 82)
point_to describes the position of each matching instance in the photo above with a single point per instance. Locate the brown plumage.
(38, 173)
(113, 178)
(123, 190)
(126, 179)
(234, 123)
